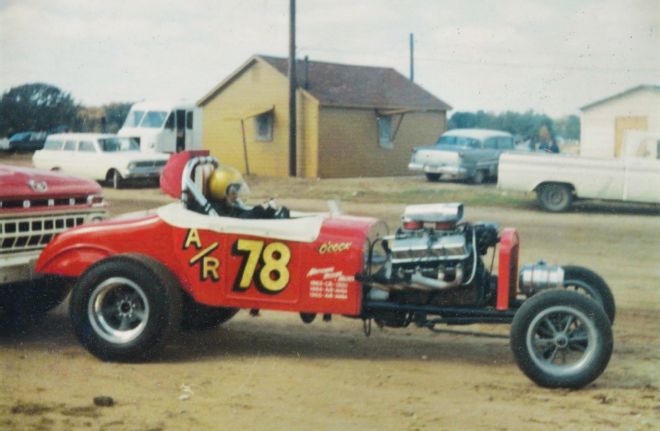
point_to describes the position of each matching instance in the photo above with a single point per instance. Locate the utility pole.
(292, 88)
(412, 57)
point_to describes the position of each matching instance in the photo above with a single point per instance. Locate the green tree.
(36, 107)
(115, 114)
(569, 127)
(524, 125)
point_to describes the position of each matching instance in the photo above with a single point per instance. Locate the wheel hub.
(561, 341)
(126, 308)
(118, 310)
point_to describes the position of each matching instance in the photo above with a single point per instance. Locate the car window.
(133, 119)
(87, 146)
(70, 146)
(22, 136)
(170, 122)
(505, 143)
(113, 145)
(53, 145)
(490, 143)
(154, 119)
(458, 141)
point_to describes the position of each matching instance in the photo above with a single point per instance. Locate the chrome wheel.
(561, 340)
(118, 310)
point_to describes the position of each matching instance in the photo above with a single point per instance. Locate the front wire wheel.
(561, 339)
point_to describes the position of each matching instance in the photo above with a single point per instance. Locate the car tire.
(198, 317)
(116, 179)
(479, 177)
(433, 177)
(125, 308)
(587, 282)
(555, 197)
(561, 339)
(307, 317)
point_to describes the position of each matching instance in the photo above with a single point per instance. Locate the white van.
(164, 127)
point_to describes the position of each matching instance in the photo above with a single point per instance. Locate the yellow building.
(353, 121)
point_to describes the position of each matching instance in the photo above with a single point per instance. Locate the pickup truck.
(34, 207)
(559, 180)
(470, 154)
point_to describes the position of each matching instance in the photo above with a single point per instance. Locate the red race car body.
(139, 277)
(306, 264)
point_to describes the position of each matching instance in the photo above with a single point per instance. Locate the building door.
(622, 125)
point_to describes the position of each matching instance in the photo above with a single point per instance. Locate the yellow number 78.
(266, 266)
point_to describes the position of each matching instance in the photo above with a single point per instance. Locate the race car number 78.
(272, 276)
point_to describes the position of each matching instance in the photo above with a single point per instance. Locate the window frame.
(383, 121)
(265, 120)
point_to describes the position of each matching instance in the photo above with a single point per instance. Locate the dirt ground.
(274, 373)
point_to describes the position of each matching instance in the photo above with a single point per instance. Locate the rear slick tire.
(125, 308)
(561, 339)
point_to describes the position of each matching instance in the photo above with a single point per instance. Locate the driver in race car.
(226, 187)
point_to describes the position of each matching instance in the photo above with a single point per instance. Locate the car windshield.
(20, 136)
(458, 141)
(133, 119)
(154, 119)
(113, 145)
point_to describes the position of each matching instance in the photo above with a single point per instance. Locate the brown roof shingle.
(359, 86)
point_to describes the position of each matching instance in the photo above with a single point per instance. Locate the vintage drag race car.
(139, 278)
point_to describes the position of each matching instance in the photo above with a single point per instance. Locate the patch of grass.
(406, 190)
(482, 198)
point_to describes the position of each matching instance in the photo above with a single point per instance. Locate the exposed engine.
(433, 259)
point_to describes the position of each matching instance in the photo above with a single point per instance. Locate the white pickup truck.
(559, 179)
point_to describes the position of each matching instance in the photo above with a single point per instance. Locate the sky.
(552, 57)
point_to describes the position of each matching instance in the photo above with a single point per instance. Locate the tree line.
(526, 126)
(43, 107)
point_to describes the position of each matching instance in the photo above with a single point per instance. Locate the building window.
(384, 131)
(263, 124)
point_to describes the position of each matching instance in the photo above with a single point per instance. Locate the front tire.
(561, 339)
(555, 197)
(125, 308)
(432, 177)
